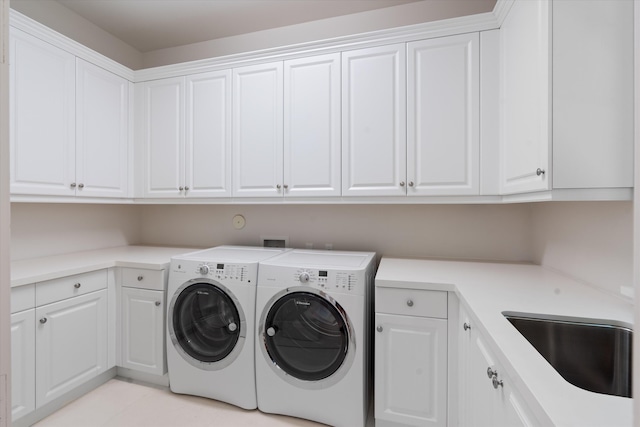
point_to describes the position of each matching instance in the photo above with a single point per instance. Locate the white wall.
(49, 229)
(591, 241)
(380, 19)
(486, 232)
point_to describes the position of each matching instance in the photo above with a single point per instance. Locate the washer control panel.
(331, 280)
(223, 271)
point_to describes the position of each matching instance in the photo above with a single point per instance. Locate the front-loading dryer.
(210, 323)
(313, 313)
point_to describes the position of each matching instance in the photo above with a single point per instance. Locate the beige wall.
(591, 241)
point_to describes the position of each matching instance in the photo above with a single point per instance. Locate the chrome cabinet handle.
(410, 183)
(278, 186)
(466, 326)
(186, 188)
(410, 303)
(401, 183)
(496, 382)
(157, 303)
(80, 185)
(180, 188)
(491, 372)
(379, 328)
(73, 185)
(77, 285)
(43, 320)
(540, 171)
(286, 186)
(140, 278)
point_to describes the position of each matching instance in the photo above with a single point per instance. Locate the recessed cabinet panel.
(71, 337)
(312, 126)
(374, 121)
(410, 370)
(443, 116)
(42, 103)
(257, 131)
(526, 98)
(164, 137)
(23, 353)
(102, 132)
(208, 135)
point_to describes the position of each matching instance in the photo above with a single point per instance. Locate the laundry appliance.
(211, 321)
(313, 312)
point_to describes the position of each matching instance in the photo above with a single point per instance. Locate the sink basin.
(592, 355)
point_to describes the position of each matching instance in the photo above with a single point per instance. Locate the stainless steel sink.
(591, 355)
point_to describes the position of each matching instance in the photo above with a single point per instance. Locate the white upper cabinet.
(102, 132)
(443, 132)
(258, 131)
(208, 135)
(70, 123)
(312, 126)
(187, 136)
(374, 121)
(526, 97)
(42, 117)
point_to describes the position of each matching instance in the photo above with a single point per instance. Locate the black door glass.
(206, 322)
(306, 336)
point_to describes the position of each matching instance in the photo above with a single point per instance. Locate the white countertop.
(488, 289)
(33, 270)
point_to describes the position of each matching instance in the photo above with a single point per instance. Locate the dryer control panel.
(239, 273)
(330, 280)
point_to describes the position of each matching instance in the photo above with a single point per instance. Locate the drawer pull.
(410, 302)
(496, 382)
(491, 372)
(466, 326)
(157, 303)
(379, 329)
(77, 285)
(140, 278)
(43, 320)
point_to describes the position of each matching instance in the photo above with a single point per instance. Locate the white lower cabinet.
(410, 358)
(142, 336)
(487, 396)
(71, 342)
(23, 353)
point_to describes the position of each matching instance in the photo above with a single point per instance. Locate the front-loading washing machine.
(211, 321)
(313, 310)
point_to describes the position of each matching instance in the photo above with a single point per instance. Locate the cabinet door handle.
(401, 183)
(491, 372)
(410, 302)
(140, 278)
(77, 285)
(80, 185)
(540, 171)
(186, 188)
(278, 186)
(73, 185)
(496, 382)
(157, 303)
(466, 326)
(410, 183)
(180, 188)
(43, 320)
(379, 328)
(286, 186)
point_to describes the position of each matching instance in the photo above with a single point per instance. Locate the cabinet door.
(71, 342)
(257, 131)
(143, 330)
(23, 364)
(164, 137)
(443, 133)
(526, 100)
(208, 135)
(42, 103)
(102, 132)
(410, 370)
(312, 126)
(374, 121)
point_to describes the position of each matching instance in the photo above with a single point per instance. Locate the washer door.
(308, 337)
(207, 325)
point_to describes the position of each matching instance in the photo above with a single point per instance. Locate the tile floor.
(119, 403)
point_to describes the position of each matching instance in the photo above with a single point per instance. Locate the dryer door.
(206, 324)
(307, 335)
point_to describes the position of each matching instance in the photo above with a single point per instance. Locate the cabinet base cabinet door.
(410, 371)
(71, 341)
(23, 353)
(143, 330)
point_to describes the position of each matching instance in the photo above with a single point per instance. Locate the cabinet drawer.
(143, 278)
(23, 298)
(70, 286)
(411, 302)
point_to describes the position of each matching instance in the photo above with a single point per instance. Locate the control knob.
(204, 269)
(304, 277)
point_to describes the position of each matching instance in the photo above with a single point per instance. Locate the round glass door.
(306, 336)
(205, 324)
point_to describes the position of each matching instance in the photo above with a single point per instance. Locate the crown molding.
(46, 34)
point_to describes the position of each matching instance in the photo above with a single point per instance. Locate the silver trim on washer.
(208, 366)
(351, 338)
